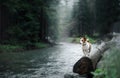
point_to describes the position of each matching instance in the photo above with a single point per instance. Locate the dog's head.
(83, 40)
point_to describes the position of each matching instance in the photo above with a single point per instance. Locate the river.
(52, 62)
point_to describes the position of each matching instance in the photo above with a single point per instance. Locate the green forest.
(29, 22)
(27, 25)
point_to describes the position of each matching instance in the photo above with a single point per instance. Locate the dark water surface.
(53, 62)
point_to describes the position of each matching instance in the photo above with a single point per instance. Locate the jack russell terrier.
(86, 46)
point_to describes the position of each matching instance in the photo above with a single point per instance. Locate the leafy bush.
(99, 73)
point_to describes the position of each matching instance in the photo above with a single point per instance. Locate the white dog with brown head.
(86, 46)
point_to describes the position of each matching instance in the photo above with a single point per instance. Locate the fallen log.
(88, 64)
(85, 65)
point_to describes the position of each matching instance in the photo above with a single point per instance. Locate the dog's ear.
(81, 40)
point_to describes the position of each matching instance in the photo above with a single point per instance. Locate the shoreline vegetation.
(40, 45)
(23, 47)
(20, 47)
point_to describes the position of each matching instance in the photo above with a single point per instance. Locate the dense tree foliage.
(31, 20)
(106, 14)
(95, 16)
(83, 18)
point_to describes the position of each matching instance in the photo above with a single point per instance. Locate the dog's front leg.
(88, 54)
(84, 52)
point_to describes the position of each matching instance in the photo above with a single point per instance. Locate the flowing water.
(53, 62)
